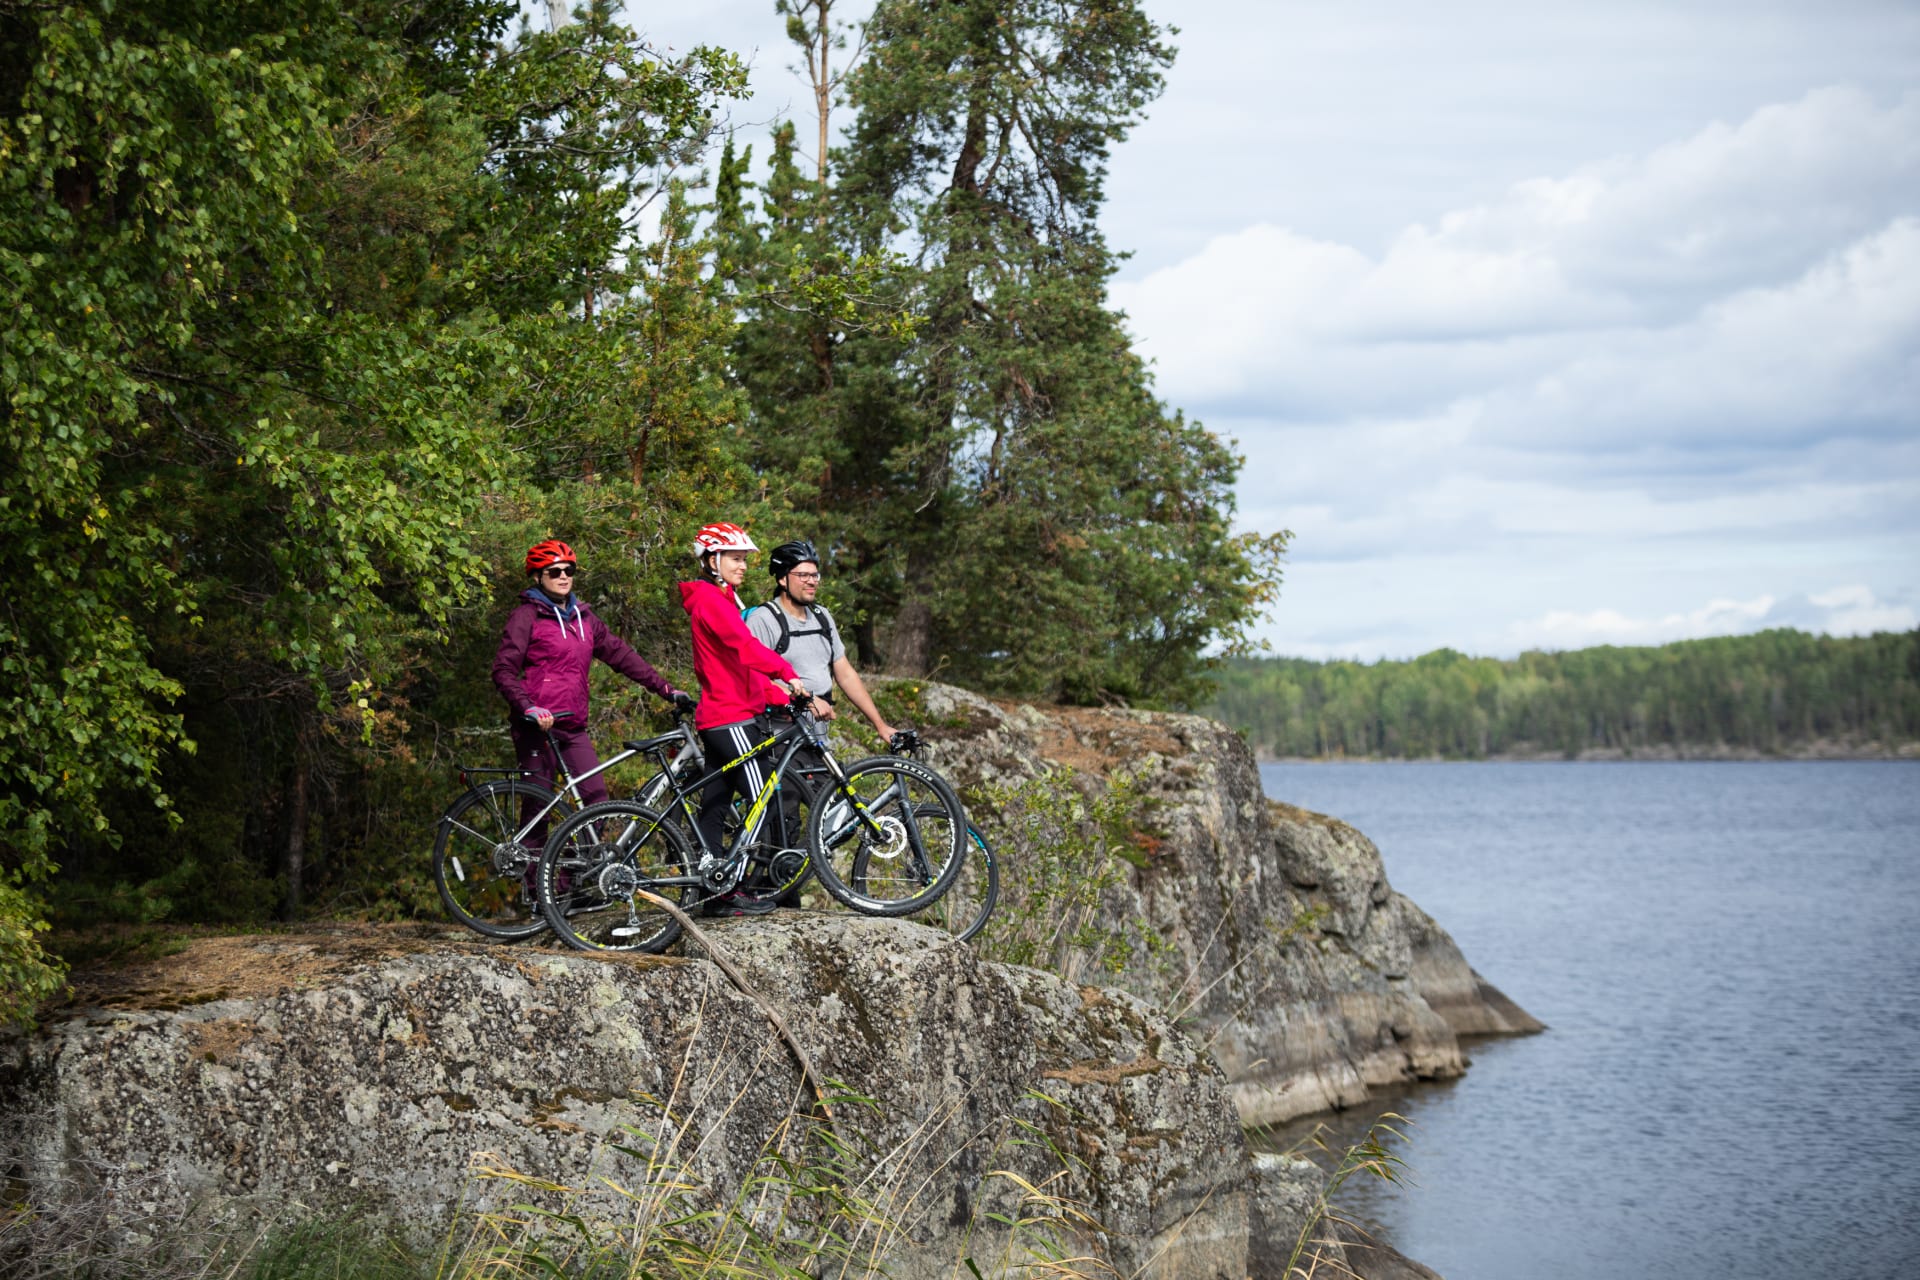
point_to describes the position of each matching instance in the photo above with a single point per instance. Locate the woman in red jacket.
(738, 677)
(546, 651)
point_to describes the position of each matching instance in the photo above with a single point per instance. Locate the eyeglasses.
(807, 577)
(558, 571)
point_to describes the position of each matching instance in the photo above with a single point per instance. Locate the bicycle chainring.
(786, 865)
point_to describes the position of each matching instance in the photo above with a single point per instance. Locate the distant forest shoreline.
(1835, 752)
(1773, 695)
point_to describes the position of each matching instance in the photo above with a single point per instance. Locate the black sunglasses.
(559, 571)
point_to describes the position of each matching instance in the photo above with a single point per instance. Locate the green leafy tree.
(1003, 495)
(290, 291)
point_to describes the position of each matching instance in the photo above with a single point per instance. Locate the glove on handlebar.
(684, 702)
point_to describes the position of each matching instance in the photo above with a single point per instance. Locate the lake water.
(1728, 957)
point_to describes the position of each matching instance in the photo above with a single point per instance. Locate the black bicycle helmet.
(789, 556)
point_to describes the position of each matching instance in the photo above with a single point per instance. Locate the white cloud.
(1563, 629)
(1569, 415)
(1834, 352)
(1729, 207)
(1652, 289)
(1853, 611)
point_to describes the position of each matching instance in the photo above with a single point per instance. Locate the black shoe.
(740, 903)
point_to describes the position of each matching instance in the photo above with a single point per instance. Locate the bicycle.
(962, 911)
(884, 836)
(481, 858)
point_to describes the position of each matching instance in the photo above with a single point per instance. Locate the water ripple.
(1729, 959)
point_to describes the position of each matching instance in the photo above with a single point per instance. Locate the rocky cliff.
(419, 1074)
(416, 1075)
(1305, 973)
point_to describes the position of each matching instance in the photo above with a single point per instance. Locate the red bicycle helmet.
(542, 555)
(721, 537)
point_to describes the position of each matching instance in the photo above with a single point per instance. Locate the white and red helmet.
(720, 537)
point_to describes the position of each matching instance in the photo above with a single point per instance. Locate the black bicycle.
(779, 860)
(885, 836)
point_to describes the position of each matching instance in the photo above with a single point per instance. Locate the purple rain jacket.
(546, 650)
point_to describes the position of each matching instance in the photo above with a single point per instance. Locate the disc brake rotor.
(892, 841)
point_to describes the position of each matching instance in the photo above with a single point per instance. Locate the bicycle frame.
(567, 784)
(800, 735)
(721, 869)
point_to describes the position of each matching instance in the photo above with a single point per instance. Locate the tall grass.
(1318, 1243)
(812, 1203)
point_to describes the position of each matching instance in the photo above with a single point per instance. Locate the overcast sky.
(1540, 324)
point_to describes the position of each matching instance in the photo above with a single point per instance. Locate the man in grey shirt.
(798, 628)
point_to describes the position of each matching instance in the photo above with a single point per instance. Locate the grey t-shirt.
(811, 651)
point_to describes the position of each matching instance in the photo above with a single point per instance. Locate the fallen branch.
(739, 980)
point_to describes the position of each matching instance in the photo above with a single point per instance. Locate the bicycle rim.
(596, 869)
(964, 909)
(485, 879)
(903, 853)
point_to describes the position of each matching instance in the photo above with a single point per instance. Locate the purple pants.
(576, 752)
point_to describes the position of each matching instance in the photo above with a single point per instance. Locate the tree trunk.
(910, 650)
(296, 853)
(638, 457)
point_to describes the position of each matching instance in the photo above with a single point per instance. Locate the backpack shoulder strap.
(786, 632)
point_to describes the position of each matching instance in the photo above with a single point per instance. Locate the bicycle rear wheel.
(904, 847)
(483, 875)
(597, 865)
(964, 909)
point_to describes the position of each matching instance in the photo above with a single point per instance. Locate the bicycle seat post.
(562, 776)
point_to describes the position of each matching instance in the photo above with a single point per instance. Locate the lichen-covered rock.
(375, 1067)
(1308, 976)
(1295, 1234)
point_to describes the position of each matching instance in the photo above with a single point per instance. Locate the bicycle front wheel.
(596, 867)
(485, 876)
(890, 840)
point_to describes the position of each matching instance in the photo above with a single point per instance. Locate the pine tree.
(1009, 502)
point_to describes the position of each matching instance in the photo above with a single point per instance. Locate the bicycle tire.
(593, 868)
(480, 873)
(914, 858)
(964, 909)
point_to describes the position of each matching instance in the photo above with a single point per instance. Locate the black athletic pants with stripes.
(721, 744)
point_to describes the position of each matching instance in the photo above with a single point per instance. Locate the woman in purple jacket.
(546, 650)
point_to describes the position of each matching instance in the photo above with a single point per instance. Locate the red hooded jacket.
(734, 668)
